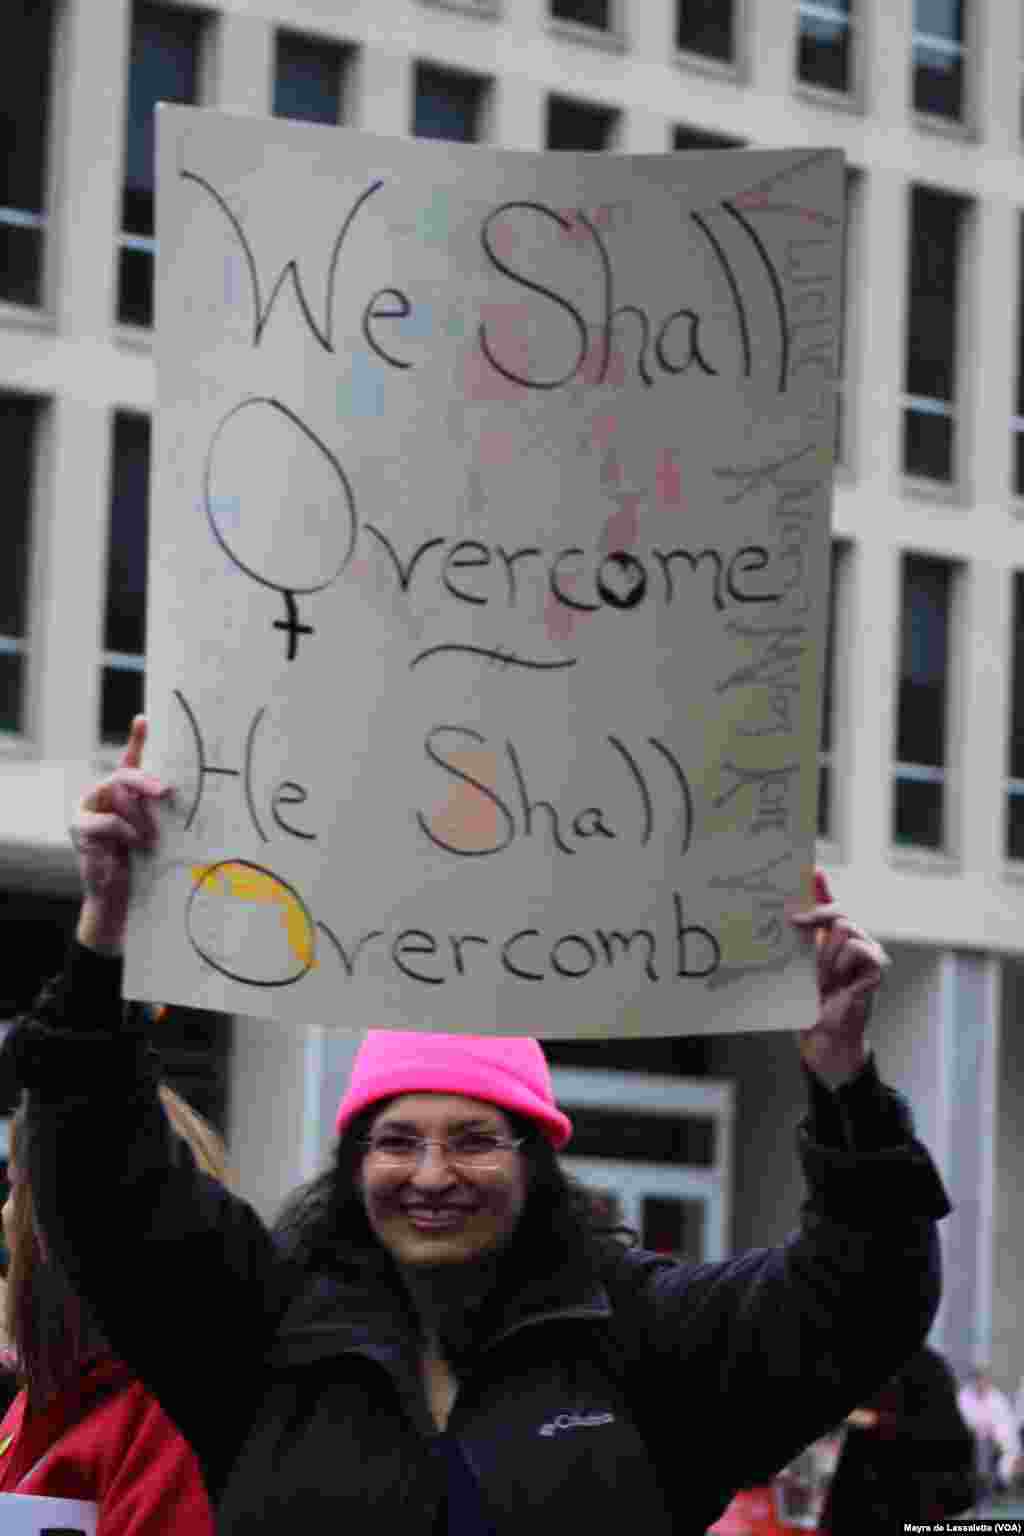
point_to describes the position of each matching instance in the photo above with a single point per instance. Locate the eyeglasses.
(471, 1151)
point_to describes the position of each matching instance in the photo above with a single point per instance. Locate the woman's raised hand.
(114, 822)
(850, 968)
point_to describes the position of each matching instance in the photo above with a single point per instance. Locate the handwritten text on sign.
(489, 537)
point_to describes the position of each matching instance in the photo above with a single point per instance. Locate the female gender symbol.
(276, 460)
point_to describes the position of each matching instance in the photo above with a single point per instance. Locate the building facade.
(922, 754)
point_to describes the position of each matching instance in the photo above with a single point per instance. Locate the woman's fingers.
(131, 806)
(131, 757)
(96, 829)
(146, 784)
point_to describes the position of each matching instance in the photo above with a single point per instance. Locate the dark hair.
(323, 1226)
(51, 1329)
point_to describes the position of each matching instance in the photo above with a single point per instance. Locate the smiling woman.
(439, 1337)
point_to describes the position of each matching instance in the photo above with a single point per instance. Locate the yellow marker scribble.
(247, 884)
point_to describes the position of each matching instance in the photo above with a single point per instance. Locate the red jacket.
(111, 1444)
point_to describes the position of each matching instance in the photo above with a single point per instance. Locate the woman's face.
(433, 1211)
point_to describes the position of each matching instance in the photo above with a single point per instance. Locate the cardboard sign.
(23, 1514)
(489, 562)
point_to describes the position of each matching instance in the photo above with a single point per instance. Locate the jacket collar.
(335, 1316)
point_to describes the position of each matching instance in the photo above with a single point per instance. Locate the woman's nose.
(433, 1168)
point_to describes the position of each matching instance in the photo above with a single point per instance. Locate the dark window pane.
(688, 1141)
(824, 827)
(164, 67)
(673, 1226)
(936, 220)
(1016, 763)
(938, 82)
(11, 683)
(924, 657)
(577, 125)
(588, 13)
(824, 47)
(135, 287)
(836, 555)
(26, 32)
(940, 18)
(308, 78)
(121, 695)
(1018, 463)
(125, 625)
(938, 57)
(685, 137)
(21, 263)
(1015, 826)
(917, 814)
(447, 105)
(706, 26)
(19, 417)
(927, 445)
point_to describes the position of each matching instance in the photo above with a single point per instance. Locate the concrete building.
(922, 808)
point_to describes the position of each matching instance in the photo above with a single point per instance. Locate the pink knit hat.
(507, 1070)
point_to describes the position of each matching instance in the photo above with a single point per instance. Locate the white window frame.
(611, 38)
(947, 854)
(737, 68)
(825, 10)
(937, 121)
(349, 60)
(674, 1097)
(205, 94)
(957, 410)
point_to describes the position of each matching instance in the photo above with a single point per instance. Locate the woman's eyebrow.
(478, 1123)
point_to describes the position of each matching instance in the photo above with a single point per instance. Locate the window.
(707, 27)
(578, 125)
(839, 556)
(938, 58)
(448, 105)
(824, 49)
(165, 53)
(19, 436)
(1017, 421)
(309, 78)
(28, 37)
(937, 225)
(1015, 765)
(124, 627)
(922, 726)
(685, 137)
(585, 13)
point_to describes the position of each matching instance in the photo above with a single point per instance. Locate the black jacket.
(915, 1464)
(301, 1392)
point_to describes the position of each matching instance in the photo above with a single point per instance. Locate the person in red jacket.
(83, 1426)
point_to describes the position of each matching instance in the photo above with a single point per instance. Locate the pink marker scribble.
(603, 428)
(758, 202)
(468, 820)
(559, 620)
(503, 239)
(611, 469)
(669, 479)
(573, 228)
(496, 449)
(590, 368)
(506, 327)
(622, 528)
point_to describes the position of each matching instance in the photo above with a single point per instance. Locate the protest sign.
(24, 1514)
(488, 580)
